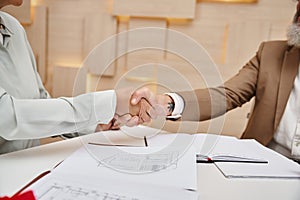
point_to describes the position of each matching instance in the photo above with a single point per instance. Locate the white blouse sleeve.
(37, 118)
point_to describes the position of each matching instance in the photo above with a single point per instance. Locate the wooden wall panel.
(141, 39)
(200, 31)
(278, 31)
(122, 28)
(244, 40)
(181, 70)
(22, 13)
(144, 38)
(37, 36)
(65, 46)
(98, 29)
(69, 81)
(155, 8)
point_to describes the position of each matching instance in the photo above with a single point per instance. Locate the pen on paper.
(118, 145)
(145, 140)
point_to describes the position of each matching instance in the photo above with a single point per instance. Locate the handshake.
(139, 107)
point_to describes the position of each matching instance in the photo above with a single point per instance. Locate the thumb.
(135, 99)
(140, 94)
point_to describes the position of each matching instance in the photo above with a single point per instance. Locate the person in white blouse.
(272, 77)
(28, 113)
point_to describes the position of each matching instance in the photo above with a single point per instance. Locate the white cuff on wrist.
(178, 106)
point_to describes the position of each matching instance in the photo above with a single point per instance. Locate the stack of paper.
(235, 158)
(132, 172)
(276, 165)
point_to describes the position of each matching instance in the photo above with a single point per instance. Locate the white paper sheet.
(168, 173)
(76, 188)
(170, 166)
(278, 166)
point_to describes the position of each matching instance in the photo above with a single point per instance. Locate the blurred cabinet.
(155, 8)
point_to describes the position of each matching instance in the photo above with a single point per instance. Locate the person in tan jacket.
(271, 77)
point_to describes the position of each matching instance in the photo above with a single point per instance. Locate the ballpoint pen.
(145, 140)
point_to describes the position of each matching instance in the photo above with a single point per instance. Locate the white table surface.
(19, 168)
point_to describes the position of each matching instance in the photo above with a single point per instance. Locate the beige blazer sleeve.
(269, 77)
(204, 104)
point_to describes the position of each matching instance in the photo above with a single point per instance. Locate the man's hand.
(140, 107)
(161, 105)
(141, 110)
(126, 113)
(125, 109)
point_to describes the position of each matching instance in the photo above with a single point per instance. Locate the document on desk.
(67, 188)
(265, 163)
(206, 147)
(278, 166)
(235, 158)
(135, 169)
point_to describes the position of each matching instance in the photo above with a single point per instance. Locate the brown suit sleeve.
(204, 104)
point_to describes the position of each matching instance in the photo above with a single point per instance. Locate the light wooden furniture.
(155, 8)
(231, 1)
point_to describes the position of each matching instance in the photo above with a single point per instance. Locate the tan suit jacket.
(268, 76)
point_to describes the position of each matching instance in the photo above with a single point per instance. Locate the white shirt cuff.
(178, 105)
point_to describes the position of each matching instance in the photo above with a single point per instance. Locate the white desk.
(19, 168)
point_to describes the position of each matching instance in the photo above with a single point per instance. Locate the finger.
(122, 120)
(145, 117)
(144, 114)
(138, 95)
(142, 93)
(115, 127)
(141, 108)
(152, 113)
(103, 127)
(134, 121)
(135, 109)
(159, 110)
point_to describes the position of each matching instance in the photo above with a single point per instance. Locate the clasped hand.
(140, 107)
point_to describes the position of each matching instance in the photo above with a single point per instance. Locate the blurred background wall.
(63, 33)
